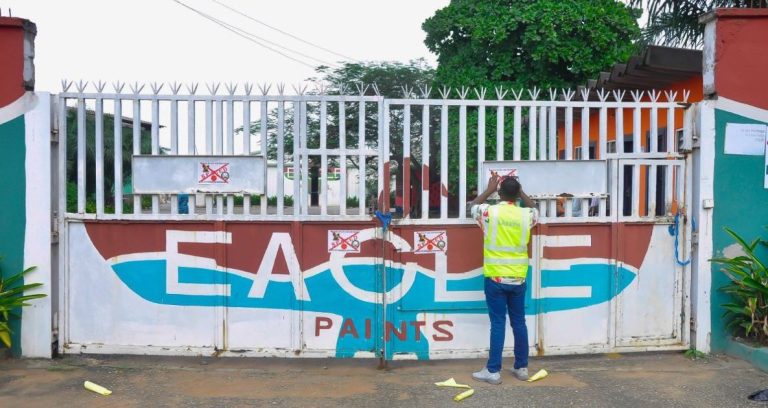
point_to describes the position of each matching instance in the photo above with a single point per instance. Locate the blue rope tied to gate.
(674, 230)
(385, 219)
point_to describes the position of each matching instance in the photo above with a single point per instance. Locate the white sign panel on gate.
(171, 174)
(430, 242)
(343, 241)
(550, 177)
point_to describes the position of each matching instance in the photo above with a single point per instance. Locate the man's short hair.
(509, 189)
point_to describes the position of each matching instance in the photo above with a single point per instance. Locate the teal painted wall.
(741, 203)
(13, 208)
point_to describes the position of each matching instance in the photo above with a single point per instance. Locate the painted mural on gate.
(295, 267)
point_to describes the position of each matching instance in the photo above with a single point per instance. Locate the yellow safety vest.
(505, 250)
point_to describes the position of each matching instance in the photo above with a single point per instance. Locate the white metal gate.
(417, 158)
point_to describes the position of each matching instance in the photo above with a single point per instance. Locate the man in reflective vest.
(507, 230)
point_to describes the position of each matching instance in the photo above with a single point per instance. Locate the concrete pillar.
(25, 216)
(731, 187)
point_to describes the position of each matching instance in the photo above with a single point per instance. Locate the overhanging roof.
(656, 67)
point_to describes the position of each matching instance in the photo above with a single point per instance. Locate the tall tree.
(676, 22)
(526, 43)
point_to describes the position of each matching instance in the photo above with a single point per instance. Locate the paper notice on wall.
(745, 139)
(766, 163)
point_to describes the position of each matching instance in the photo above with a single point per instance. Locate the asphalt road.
(628, 380)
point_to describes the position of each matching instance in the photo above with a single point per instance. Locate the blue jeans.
(503, 299)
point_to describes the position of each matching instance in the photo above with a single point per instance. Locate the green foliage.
(12, 298)
(145, 147)
(526, 43)
(694, 354)
(748, 310)
(271, 200)
(676, 22)
(352, 202)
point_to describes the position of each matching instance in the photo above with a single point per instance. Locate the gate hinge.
(55, 228)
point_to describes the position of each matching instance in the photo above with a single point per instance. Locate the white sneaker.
(520, 373)
(484, 375)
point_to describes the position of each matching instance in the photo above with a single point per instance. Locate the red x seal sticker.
(343, 241)
(430, 242)
(214, 173)
(504, 173)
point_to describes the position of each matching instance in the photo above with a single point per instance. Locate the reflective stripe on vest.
(505, 252)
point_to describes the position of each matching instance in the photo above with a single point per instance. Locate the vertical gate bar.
(553, 153)
(305, 182)
(81, 155)
(603, 133)
(218, 144)
(155, 144)
(174, 146)
(136, 149)
(218, 140)
(543, 133)
(406, 187)
(247, 146)
(499, 133)
(264, 155)
(295, 158)
(323, 157)
(569, 133)
(653, 131)
(669, 193)
(480, 147)
(444, 161)
(117, 122)
(280, 168)
(361, 167)
(387, 158)
(652, 169)
(619, 209)
(619, 130)
(687, 248)
(517, 138)
(343, 158)
(635, 190)
(463, 161)
(671, 131)
(174, 127)
(230, 147)
(613, 191)
(62, 152)
(191, 144)
(679, 185)
(585, 133)
(208, 147)
(425, 162)
(99, 150)
(380, 146)
(532, 127)
(62, 210)
(637, 146)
